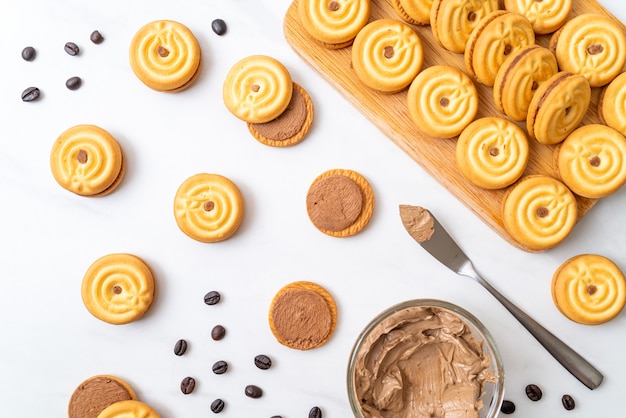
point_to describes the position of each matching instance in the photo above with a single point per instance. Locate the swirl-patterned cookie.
(558, 106)
(546, 16)
(208, 207)
(129, 409)
(96, 393)
(416, 12)
(519, 77)
(592, 161)
(257, 89)
(453, 21)
(612, 104)
(497, 36)
(387, 54)
(165, 55)
(539, 212)
(333, 23)
(589, 289)
(88, 161)
(592, 45)
(442, 101)
(118, 288)
(492, 152)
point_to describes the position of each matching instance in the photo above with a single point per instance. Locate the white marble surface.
(49, 342)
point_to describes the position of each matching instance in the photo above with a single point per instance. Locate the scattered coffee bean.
(507, 407)
(187, 385)
(315, 412)
(220, 367)
(568, 402)
(96, 37)
(30, 94)
(218, 332)
(533, 392)
(180, 347)
(276, 416)
(29, 53)
(71, 48)
(217, 406)
(212, 298)
(263, 362)
(253, 391)
(219, 26)
(73, 83)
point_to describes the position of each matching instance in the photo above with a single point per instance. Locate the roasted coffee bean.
(253, 391)
(30, 94)
(180, 347)
(220, 367)
(315, 412)
(568, 402)
(96, 37)
(71, 48)
(217, 406)
(507, 407)
(73, 83)
(187, 385)
(533, 392)
(219, 26)
(29, 53)
(212, 298)
(263, 362)
(276, 416)
(218, 332)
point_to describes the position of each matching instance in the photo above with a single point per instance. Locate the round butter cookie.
(387, 54)
(416, 12)
(519, 77)
(557, 108)
(498, 35)
(591, 45)
(452, 21)
(208, 207)
(129, 409)
(592, 161)
(539, 212)
(302, 315)
(118, 288)
(340, 202)
(546, 16)
(492, 152)
(257, 89)
(589, 289)
(165, 55)
(96, 393)
(612, 104)
(442, 101)
(333, 23)
(88, 161)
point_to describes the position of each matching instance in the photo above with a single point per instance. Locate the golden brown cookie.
(592, 161)
(387, 54)
(442, 101)
(492, 152)
(589, 289)
(96, 393)
(303, 315)
(591, 45)
(558, 107)
(129, 409)
(118, 288)
(416, 12)
(291, 126)
(498, 35)
(340, 202)
(165, 55)
(546, 16)
(452, 21)
(88, 161)
(519, 77)
(208, 207)
(612, 104)
(539, 212)
(333, 23)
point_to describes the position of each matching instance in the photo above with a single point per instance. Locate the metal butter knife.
(429, 233)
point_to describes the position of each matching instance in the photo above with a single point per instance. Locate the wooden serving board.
(389, 112)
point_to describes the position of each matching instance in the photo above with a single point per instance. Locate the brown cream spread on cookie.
(334, 202)
(287, 124)
(421, 362)
(94, 395)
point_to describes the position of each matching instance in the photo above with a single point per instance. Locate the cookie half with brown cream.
(96, 393)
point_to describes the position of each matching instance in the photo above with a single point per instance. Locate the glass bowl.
(428, 329)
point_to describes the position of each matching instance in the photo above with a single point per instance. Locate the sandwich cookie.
(546, 16)
(96, 393)
(416, 12)
(612, 104)
(129, 409)
(333, 23)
